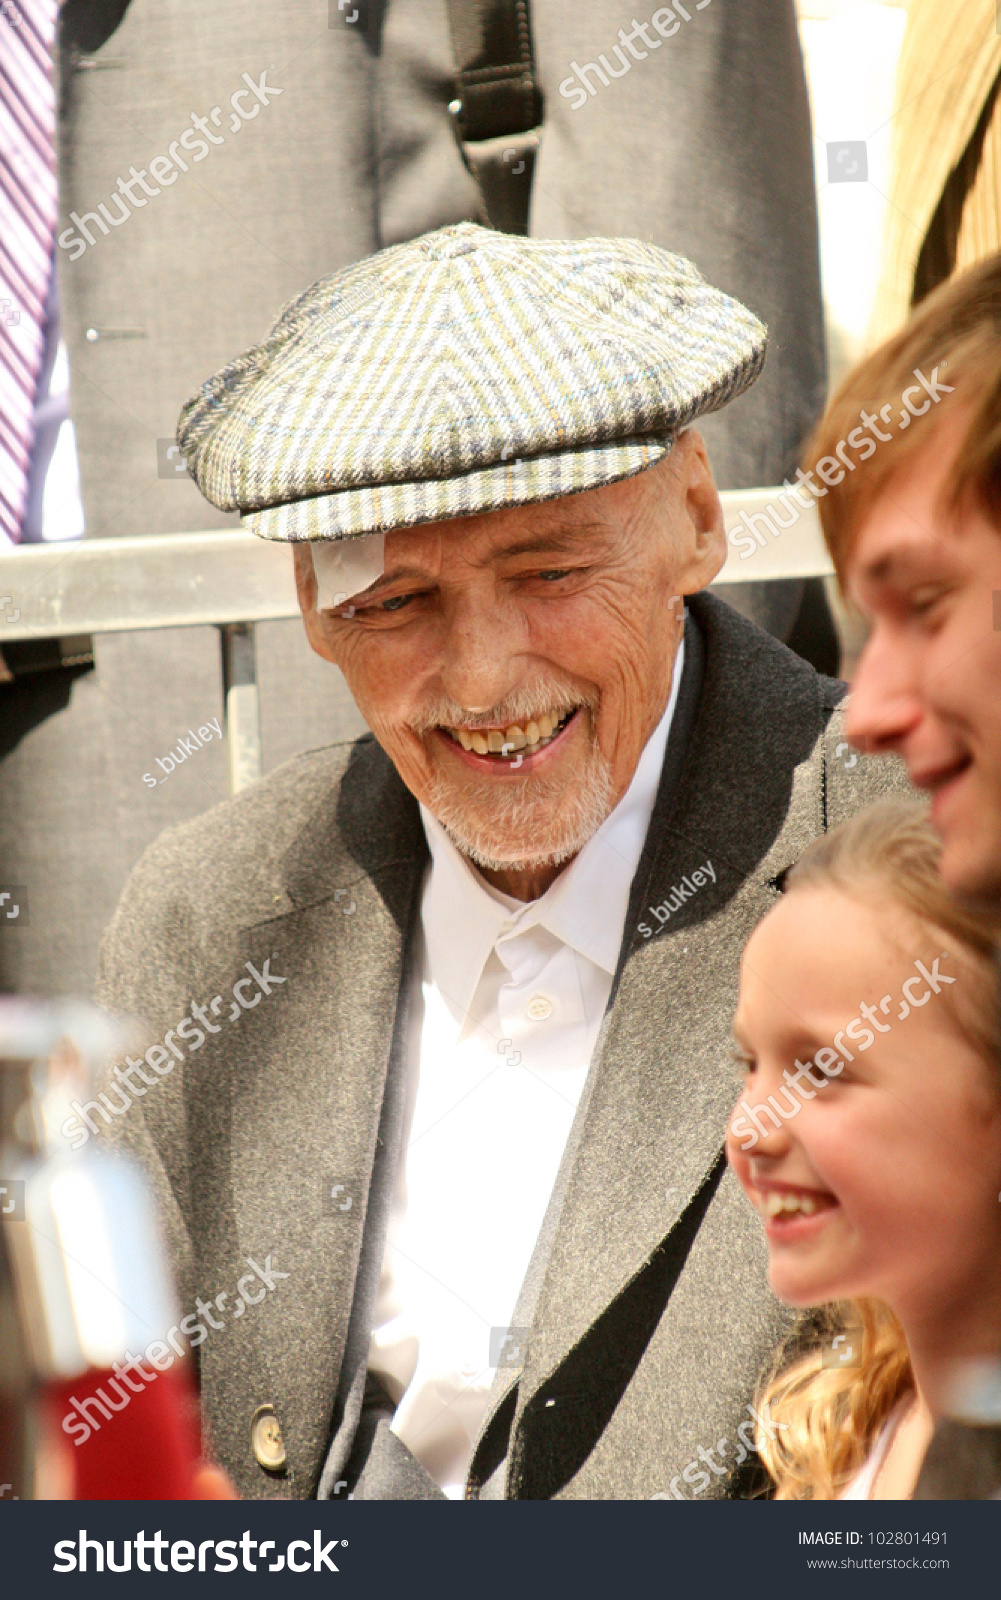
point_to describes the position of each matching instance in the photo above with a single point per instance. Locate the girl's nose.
(759, 1122)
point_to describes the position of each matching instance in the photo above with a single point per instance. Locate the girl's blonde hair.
(825, 1420)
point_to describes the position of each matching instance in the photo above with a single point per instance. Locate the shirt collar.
(463, 916)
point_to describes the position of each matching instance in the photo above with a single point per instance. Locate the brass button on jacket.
(266, 1439)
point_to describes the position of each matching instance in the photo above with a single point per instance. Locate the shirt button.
(539, 1008)
(266, 1439)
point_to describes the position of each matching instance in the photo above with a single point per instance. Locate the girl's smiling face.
(896, 1160)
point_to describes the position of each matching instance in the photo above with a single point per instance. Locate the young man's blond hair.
(956, 331)
(910, 452)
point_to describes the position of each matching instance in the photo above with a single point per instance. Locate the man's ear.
(306, 589)
(703, 535)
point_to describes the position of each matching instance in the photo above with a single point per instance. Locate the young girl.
(869, 1139)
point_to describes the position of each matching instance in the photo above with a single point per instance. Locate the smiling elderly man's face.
(513, 665)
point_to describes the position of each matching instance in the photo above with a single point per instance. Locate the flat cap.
(464, 371)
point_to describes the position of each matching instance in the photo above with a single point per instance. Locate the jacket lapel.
(742, 795)
(307, 1102)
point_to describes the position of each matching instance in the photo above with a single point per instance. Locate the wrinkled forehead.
(597, 520)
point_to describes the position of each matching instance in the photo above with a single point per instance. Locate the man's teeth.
(774, 1202)
(505, 741)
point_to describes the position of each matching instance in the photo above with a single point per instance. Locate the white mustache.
(522, 708)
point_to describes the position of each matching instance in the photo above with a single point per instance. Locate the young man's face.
(928, 684)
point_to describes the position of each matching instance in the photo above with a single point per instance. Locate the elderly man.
(471, 1119)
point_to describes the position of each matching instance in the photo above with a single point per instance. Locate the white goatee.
(527, 822)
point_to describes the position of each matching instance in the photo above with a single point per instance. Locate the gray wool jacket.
(646, 1305)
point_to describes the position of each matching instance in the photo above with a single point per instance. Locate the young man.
(909, 454)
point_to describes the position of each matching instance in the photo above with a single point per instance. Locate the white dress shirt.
(512, 996)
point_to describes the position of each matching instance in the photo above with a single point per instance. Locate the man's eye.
(743, 1065)
(551, 576)
(396, 602)
(921, 601)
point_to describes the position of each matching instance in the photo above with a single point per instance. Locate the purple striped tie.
(28, 211)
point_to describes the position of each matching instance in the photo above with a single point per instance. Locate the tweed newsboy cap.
(464, 371)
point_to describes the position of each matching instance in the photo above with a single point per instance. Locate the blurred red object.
(83, 1283)
(148, 1451)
